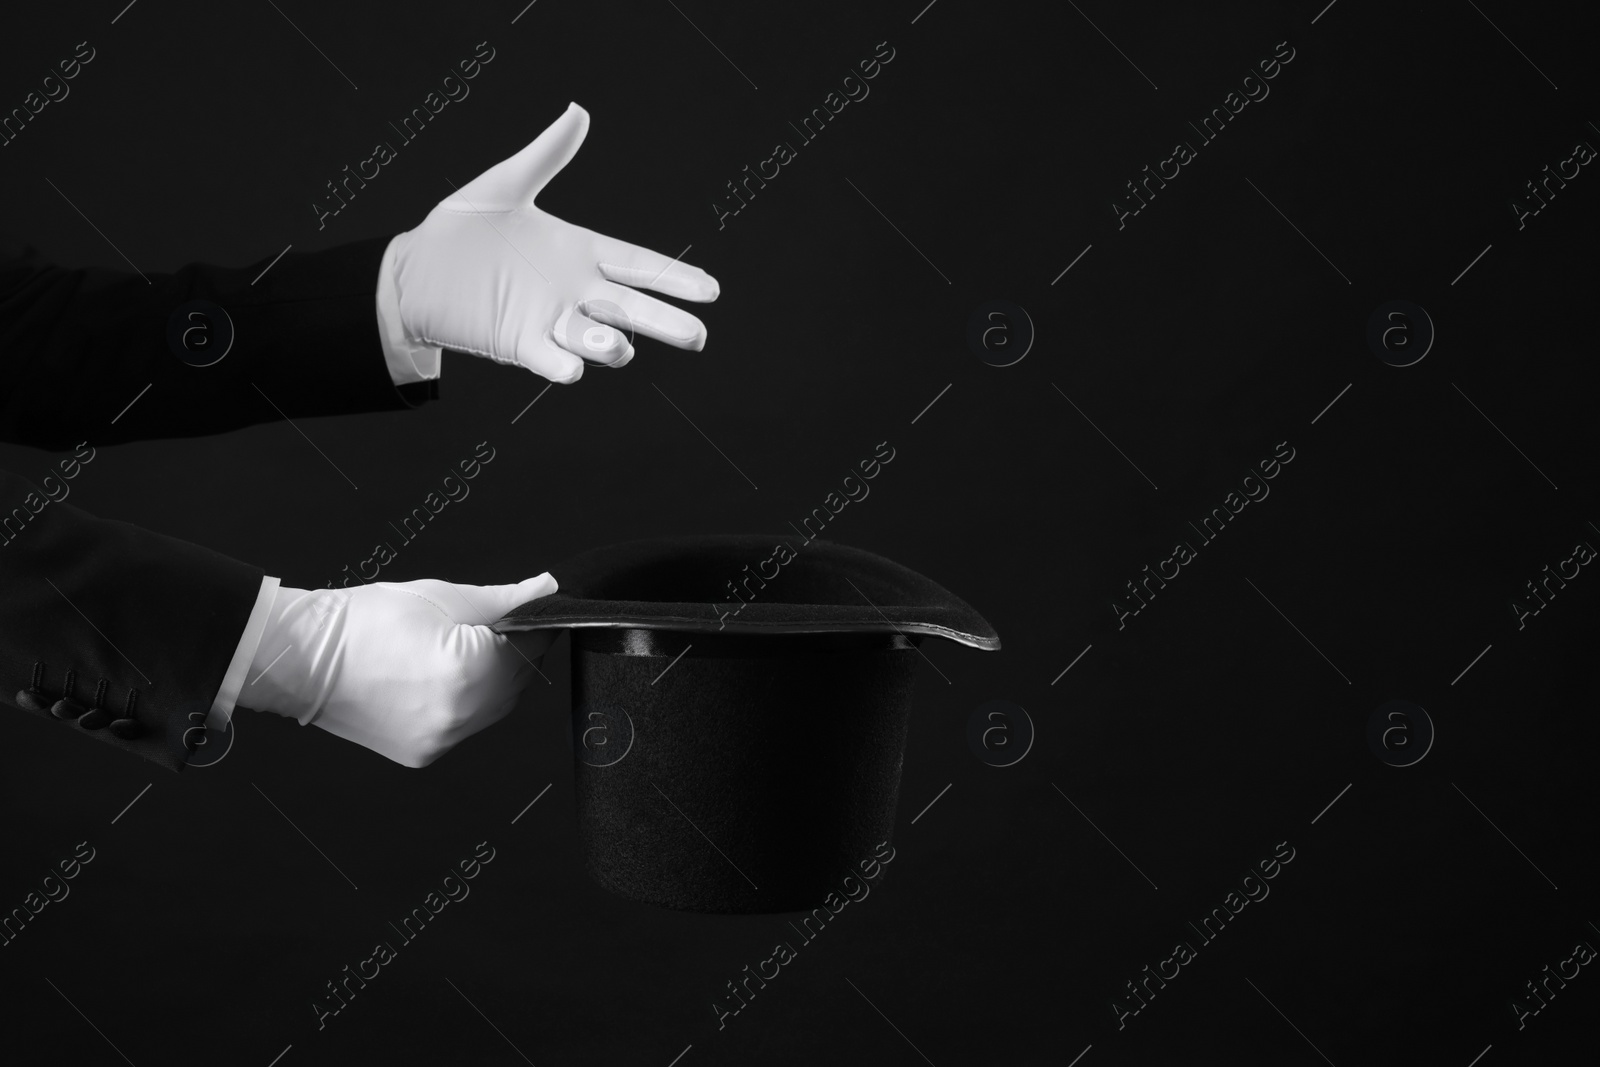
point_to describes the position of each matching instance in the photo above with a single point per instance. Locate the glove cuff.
(239, 672)
(293, 669)
(408, 360)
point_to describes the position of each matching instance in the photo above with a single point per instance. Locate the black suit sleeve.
(147, 624)
(78, 346)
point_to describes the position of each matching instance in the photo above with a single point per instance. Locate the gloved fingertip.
(561, 367)
(539, 585)
(574, 368)
(578, 113)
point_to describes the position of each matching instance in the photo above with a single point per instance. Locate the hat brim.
(748, 584)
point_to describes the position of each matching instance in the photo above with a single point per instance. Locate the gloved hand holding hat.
(406, 669)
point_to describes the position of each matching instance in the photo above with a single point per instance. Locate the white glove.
(406, 669)
(489, 273)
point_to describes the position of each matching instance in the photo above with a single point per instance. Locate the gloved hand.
(406, 669)
(489, 273)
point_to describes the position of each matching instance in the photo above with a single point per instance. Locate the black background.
(1196, 338)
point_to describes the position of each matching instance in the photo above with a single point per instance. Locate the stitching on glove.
(426, 600)
(645, 326)
(642, 271)
(637, 320)
(621, 269)
(425, 339)
(470, 210)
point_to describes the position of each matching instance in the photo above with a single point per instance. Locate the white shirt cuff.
(243, 656)
(409, 361)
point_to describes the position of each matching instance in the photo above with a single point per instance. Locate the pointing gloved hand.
(406, 669)
(489, 273)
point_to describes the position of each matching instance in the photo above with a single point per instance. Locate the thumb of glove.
(514, 182)
(492, 602)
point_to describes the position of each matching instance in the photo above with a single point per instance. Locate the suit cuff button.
(66, 708)
(94, 718)
(126, 727)
(33, 698)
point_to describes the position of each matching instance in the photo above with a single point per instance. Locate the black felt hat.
(740, 708)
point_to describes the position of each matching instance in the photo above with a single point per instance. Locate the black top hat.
(740, 707)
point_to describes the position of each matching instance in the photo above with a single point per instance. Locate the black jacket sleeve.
(106, 628)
